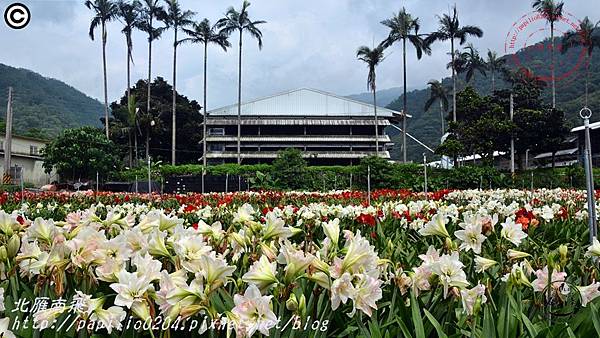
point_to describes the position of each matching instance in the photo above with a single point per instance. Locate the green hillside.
(44, 103)
(569, 95)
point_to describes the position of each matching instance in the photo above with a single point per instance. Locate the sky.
(307, 43)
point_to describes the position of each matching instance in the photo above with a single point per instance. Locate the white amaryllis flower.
(513, 232)
(482, 264)
(253, 312)
(244, 214)
(295, 261)
(168, 283)
(275, 228)
(435, 227)
(360, 257)
(215, 270)
(42, 230)
(367, 293)
(594, 249)
(540, 284)
(518, 274)
(470, 296)
(156, 244)
(589, 293)
(110, 318)
(262, 273)
(214, 231)
(4, 331)
(471, 238)
(131, 288)
(431, 256)
(342, 289)
(32, 259)
(45, 318)
(332, 230)
(515, 254)
(7, 222)
(147, 266)
(449, 270)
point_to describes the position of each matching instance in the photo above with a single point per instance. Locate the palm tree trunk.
(174, 117)
(376, 123)
(105, 80)
(135, 144)
(442, 116)
(131, 160)
(239, 117)
(453, 82)
(205, 117)
(148, 143)
(493, 82)
(552, 67)
(404, 101)
(130, 150)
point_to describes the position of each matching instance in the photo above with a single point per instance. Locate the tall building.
(328, 129)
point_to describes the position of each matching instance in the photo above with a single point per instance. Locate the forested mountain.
(384, 96)
(570, 89)
(45, 104)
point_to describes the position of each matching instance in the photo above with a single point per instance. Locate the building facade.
(27, 159)
(328, 129)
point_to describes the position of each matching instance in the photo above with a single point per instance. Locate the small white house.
(26, 154)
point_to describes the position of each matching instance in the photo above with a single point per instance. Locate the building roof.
(305, 102)
(594, 125)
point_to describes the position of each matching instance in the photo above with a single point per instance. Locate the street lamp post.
(585, 114)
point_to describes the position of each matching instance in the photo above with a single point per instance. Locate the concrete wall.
(29, 159)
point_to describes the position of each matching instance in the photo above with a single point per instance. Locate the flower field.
(502, 263)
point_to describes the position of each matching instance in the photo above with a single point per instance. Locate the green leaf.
(529, 326)
(595, 318)
(489, 327)
(416, 317)
(436, 324)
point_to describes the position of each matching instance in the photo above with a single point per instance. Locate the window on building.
(33, 150)
(216, 131)
(216, 147)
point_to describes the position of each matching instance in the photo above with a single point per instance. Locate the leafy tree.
(289, 169)
(80, 154)
(469, 62)
(204, 33)
(437, 92)
(156, 126)
(240, 22)
(404, 28)
(372, 57)
(495, 65)
(379, 168)
(176, 19)
(587, 36)
(552, 11)
(450, 29)
(104, 12)
(151, 11)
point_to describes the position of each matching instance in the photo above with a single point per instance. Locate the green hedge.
(383, 175)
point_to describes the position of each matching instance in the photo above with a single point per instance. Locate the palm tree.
(205, 34)
(104, 12)
(129, 13)
(495, 65)
(437, 92)
(587, 36)
(552, 12)
(176, 19)
(450, 29)
(151, 11)
(372, 57)
(469, 62)
(403, 27)
(240, 22)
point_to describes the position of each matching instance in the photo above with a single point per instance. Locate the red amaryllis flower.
(195, 226)
(20, 219)
(366, 219)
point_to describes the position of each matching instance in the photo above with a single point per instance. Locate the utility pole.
(8, 139)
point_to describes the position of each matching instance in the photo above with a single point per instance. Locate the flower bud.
(563, 250)
(302, 305)
(3, 254)
(292, 303)
(13, 246)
